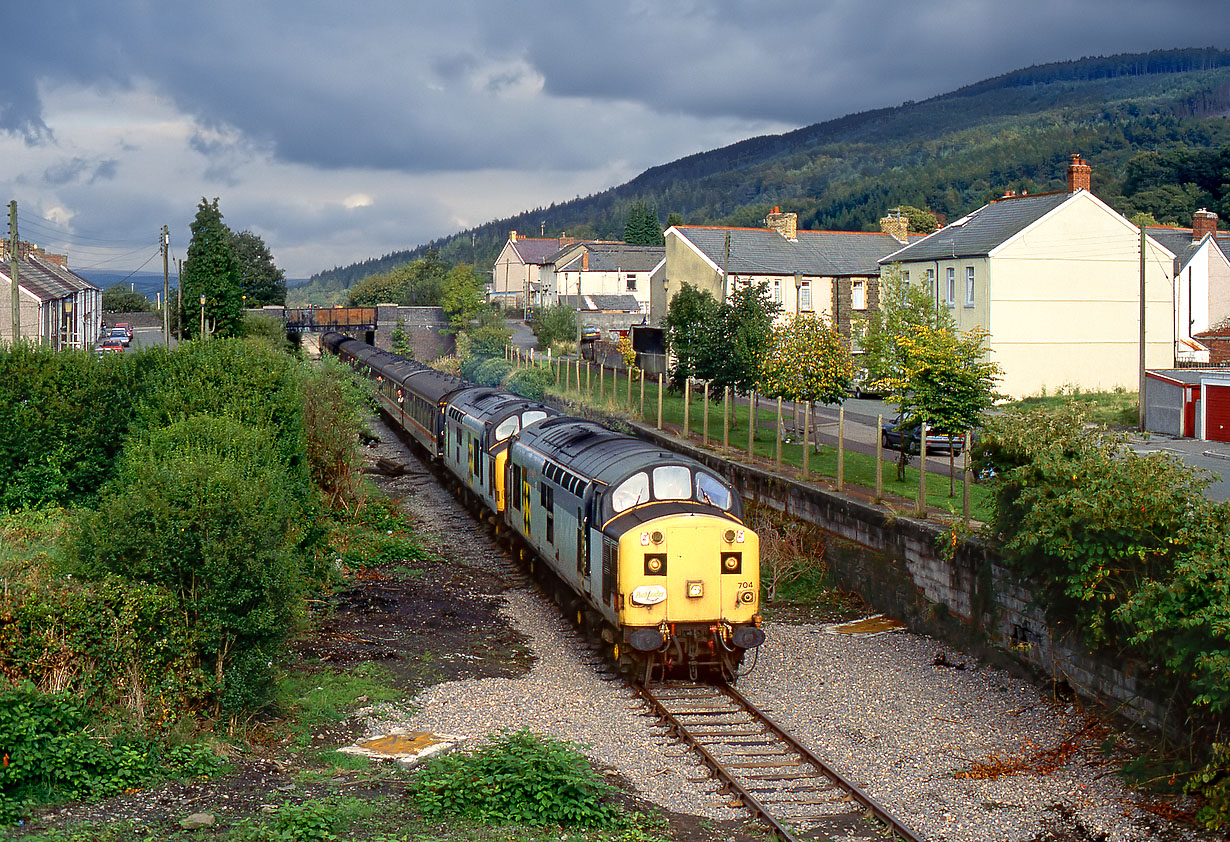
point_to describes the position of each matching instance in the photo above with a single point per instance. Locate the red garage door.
(1217, 413)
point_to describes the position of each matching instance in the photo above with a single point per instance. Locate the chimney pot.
(1204, 222)
(1079, 174)
(512, 236)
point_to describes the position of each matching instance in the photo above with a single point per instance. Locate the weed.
(311, 821)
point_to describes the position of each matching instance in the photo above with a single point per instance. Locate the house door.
(1191, 409)
(1217, 413)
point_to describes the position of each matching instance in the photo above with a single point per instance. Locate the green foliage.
(335, 403)
(922, 221)
(470, 365)
(945, 380)
(399, 340)
(419, 283)
(47, 753)
(206, 509)
(530, 382)
(807, 360)
(485, 340)
(261, 282)
(903, 306)
(518, 778)
(642, 226)
(118, 298)
(554, 323)
(736, 343)
(461, 297)
(492, 372)
(211, 270)
(312, 821)
(688, 316)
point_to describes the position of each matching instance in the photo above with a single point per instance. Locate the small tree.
(461, 297)
(118, 298)
(807, 360)
(689, 317)
(879, 333)
(735, 346)
(642, 226)
(945, 382)
(399, 340)
(554, 323)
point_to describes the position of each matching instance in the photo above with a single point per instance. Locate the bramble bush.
(529, 383)
(517, 778)
(1127, 550)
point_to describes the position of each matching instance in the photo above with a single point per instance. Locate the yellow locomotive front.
(689, 591)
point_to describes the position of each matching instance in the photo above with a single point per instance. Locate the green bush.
(205, 509)
(519, 778)
(470, 365)
(335, 404)
(530, 382)
(47, 754)
(555, 323)
(492, 372)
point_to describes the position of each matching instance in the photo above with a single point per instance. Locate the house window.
(858, 295)
(932, 287)
(631, 280)
(905, 280)
(950, 286)
(969, 286)
(777, 291)
(805, 296)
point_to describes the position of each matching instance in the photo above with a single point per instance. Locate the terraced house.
(57, 306)
(1055, 280)
(832, 274)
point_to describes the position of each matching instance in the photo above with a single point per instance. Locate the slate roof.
(617, 303)
(48, 281)
(1179, 241)
(763, 251)
(977, 234)
(532, 251)
(611, 257)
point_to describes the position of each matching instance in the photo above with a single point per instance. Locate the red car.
(109, 345)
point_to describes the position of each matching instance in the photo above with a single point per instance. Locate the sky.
(343, 131)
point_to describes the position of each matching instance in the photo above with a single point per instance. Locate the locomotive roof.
(593, 451)
(492, 405)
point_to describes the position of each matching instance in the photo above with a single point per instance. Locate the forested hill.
(950, 154)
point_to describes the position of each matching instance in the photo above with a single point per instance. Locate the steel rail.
(899, 829)
(895, 827)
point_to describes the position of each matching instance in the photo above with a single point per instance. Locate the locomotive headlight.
(747, 597)
(729, 536)
(696, 589)
(648, 594)
(655, 564)
(656, 537)
(732, 562)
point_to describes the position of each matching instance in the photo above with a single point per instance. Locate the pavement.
(1210, 456)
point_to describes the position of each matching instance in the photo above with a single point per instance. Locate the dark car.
(590, 334)
(894, 434)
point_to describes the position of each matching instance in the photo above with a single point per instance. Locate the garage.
(1216, 402)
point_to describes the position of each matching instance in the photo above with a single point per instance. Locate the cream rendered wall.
(684, 264)
(509, 275)
(32, 327)
(1191, 292)
(1063, 302)
(1219, 285)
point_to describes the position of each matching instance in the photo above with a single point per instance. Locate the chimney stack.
(897, 224)
(512, 236)
(786, 224)
(1204, 222)
(585, 261)
(1078, 174)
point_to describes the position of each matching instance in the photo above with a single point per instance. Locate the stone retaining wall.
(972, 601)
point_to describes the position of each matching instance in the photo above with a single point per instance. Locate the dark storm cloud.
(459, 86)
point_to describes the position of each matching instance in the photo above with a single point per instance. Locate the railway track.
(770, 772)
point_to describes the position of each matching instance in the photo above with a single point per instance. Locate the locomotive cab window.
(672, 482)
(507, 427)
(532, 416)
(633, 490)
(709, 489)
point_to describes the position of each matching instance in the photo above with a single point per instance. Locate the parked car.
(126, 327)
(893, 435)
(119, 333)
(590, 334)
(110, 344)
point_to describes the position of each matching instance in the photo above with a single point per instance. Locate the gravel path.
(892, 712)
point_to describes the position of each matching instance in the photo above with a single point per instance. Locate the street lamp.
(202, 316)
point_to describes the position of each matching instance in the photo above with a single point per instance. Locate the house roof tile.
(982, 230)
(763, 251)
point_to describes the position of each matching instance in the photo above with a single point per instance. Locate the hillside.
(949, 153)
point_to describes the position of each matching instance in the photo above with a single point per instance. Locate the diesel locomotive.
(646, 548)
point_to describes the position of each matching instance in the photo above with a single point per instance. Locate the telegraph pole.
(166, 289)
(1142, 328)
(13, 271)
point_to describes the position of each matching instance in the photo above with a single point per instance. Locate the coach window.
(633, 490)
(530, 417)
(709, 489)
(672, 482)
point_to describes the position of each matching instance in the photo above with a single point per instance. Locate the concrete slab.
(406, 748)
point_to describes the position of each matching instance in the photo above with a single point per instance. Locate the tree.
(689, 316)
(922, 221)
(211, 270)
(738, 341)
(642, 226)
(945, 382)
(461, 297)
(902, 307)
(118, 298)
(673, 220)
(416, 284)
(261, 282)
(807, 360)
(554, 323)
